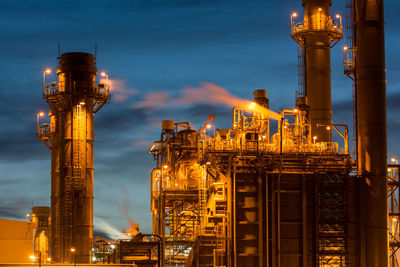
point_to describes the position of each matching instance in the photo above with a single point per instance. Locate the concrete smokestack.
(371, 130)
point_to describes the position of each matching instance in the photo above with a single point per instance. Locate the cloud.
(153, 100)
(118, 89)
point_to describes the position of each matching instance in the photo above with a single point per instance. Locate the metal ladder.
(76, 142)
(219, 251)
(203, 197)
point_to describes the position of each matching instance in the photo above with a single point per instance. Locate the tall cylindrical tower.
(73, 101)
(371, 130)
(315, 36)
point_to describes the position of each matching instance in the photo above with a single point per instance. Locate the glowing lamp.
(294, 14)
(41, 114)
(328, 128)
(73, 250)
(32, 257)
(345, 48)
(103, 74)
(338, 16)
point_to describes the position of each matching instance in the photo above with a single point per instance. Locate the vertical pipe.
(54, 189)
(371, 129)
(72, 156)
(304, 218)
(317, 42)
(267, 225)
(261, 223)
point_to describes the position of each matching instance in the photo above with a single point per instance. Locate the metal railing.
(76, 87)
(321, 23)
(348, 60)
(43, 129)
(240, 145)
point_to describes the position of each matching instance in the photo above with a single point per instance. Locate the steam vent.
(73, 100)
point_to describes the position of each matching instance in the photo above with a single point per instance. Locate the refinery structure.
(246, 196)
(273, 190)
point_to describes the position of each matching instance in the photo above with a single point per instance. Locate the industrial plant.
(276, 189)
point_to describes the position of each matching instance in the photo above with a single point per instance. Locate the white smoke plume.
(205, 93)
(108, 229)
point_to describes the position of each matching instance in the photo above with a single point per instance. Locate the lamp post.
(73, 252)
(45, 71)
(293, 15)
(105, 74)
(33, 258)
(338, 16)
(320, 18)
(38, 115)
(394, 160)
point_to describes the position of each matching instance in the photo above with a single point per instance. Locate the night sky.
(156, 52)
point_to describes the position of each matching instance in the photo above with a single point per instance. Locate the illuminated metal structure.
(315, 36)
(244, 197)
(73, 100)
(239, 199)
(394, 213)
(42, 232)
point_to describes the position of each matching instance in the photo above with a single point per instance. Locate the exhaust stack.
(315, 36)
(371, 130)
(73, 100)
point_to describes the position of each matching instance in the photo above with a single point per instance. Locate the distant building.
(16, 241)
(26, 241)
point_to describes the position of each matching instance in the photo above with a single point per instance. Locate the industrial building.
(247, 195)
(26, 241)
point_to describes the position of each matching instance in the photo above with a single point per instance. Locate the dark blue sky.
(148, 47)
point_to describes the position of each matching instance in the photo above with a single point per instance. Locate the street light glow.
(47, 70)
(294, 14)
(72, 249)
(41, 114)
(104, 74)
(338, 16)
